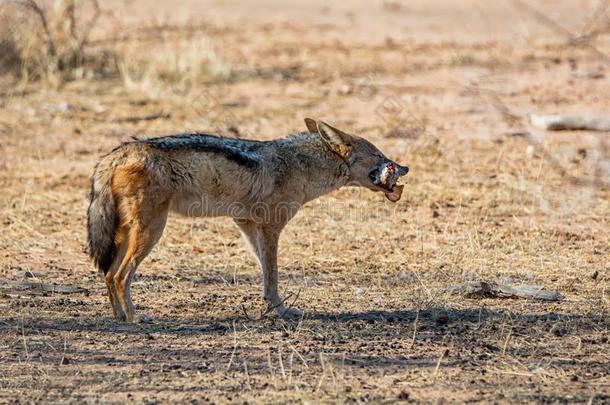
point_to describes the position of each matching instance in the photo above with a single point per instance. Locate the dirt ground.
(445, 87)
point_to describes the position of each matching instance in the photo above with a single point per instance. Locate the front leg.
(268, 239)
(264, 240)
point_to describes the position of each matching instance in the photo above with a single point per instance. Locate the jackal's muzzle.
(386, 177)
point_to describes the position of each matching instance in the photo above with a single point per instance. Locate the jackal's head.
(368, 166)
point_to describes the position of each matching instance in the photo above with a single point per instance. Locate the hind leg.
(117, 310)
(142, 237)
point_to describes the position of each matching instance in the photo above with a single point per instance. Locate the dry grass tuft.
(51, 44)
(40, 42)
(179, 63)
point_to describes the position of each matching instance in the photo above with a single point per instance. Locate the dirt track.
(426, 82)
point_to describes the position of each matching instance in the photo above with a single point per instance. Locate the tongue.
(395, 194)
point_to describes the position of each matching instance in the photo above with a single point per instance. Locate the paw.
(120, 317)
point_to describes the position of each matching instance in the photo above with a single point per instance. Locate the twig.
(415, 328)
(290, 359)
(32, 5)
(63, 355)
(513, 373)
(247, 375)
(321, 380)
(298, 294)
(543, 18)
(279, 355)
(572, 39)
(234, 347)
(299, 355)
(270, 308)
(506, 341)
(25, 343)
(438, 363)
(149, 117)
(97, 12)
(248, 317)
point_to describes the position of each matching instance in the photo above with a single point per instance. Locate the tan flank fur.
(260, 184)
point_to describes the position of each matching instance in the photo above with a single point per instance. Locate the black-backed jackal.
(260, 184)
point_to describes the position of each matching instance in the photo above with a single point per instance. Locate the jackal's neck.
(316, 170)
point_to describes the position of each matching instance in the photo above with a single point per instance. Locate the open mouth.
(387, 181)
(386, 188)
(393, 193)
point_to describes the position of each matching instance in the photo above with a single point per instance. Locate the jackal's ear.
(311, 125)
(337, 140)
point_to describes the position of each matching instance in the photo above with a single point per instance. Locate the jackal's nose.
(402, 170)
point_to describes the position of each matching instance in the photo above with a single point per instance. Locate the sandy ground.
(488, 197)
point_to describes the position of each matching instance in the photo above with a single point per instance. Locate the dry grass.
(482, 201)
(51, 45)
(47, 43)
(176, 64)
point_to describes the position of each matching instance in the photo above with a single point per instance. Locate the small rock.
(345, 89)
(146, 319)
(359, 292)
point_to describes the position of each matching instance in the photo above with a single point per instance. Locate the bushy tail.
(102, 219)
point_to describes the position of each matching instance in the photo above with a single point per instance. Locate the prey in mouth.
(386, 176)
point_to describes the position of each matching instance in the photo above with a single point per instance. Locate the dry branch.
(97, 12)
(271, 308)
(42, 16)
(515, 120)
(43, 287)
(570, 123)
(583, 39)
(49, 40)
(487, 289)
